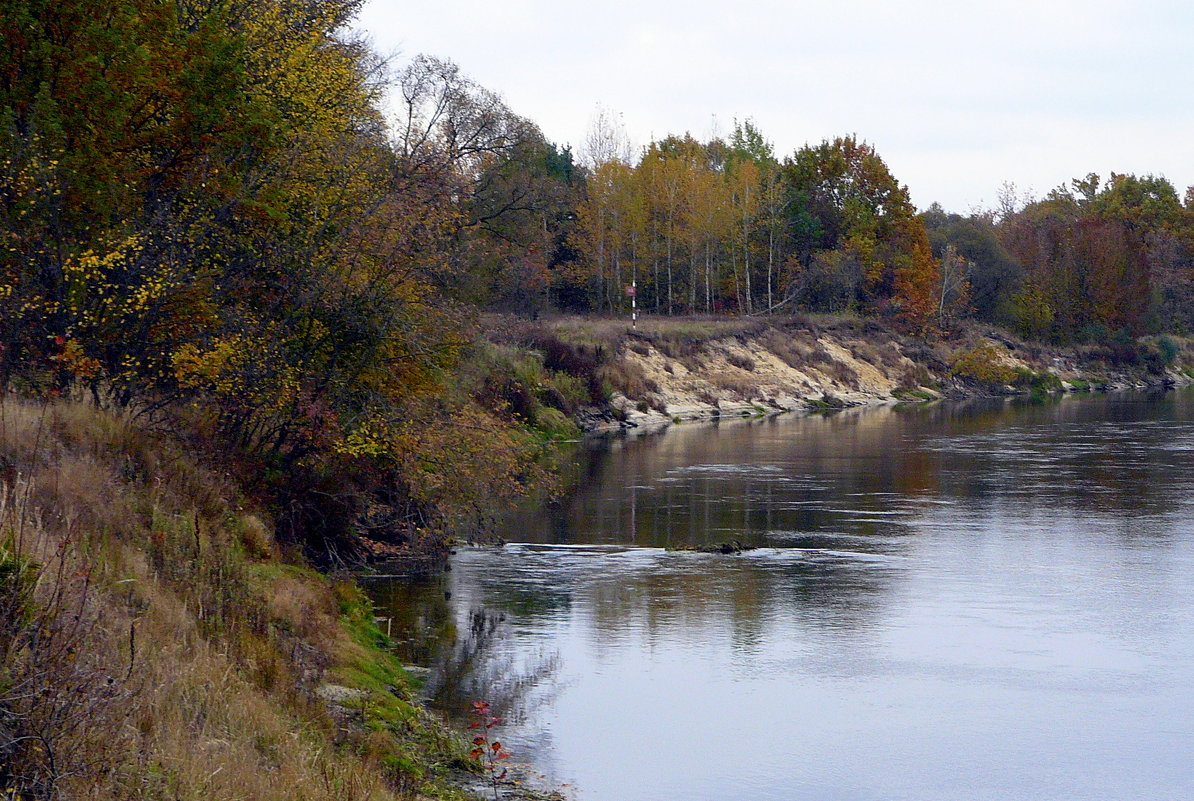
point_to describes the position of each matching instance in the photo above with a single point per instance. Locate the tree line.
(724, 226)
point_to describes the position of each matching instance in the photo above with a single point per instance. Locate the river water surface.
(972, 601)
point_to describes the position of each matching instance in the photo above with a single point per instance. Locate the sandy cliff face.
(771, 371)
(779, 369)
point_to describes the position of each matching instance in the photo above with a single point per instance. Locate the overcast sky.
(957, 97)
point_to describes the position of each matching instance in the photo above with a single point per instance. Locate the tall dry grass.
(155, 646)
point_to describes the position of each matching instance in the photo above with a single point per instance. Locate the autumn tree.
(1101, 258)
(610, 211)
(516, 226)
(844, 199)
(202, 203)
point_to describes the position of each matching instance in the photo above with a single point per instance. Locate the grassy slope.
(156, 644)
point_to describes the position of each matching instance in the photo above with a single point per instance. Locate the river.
(982, 600)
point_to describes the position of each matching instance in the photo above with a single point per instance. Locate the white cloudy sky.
(956, 96)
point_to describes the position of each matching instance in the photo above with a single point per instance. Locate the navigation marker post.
(631, 292)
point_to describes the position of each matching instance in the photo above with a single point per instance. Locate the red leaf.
(476, 753)
(503, 755)
(496, 746)
(478, 740)
(475, 725)
(502, 776)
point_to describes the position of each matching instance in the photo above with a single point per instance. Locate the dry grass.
(841, 373)
(797, 350)
(154, 646)
(611, 331)
(627, 378)
(865, 351)
(742, 386)
(672, 336)
(741, 361)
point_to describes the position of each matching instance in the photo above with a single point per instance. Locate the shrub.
(627, 378)
(579, 360)
(1168, 349)
(842, 373)
(565, 392)
(819, 355)
(984, 365)
(1036, 382)
(1096, 333)
(917, 376)
(741, 361)
(890, 355)
(1123, 349)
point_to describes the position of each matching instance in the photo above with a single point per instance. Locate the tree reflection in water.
(481, 665)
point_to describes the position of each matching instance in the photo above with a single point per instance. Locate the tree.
(994, 276)
(953, 285)
(844, 198)
(606, 140)
(752, 172)
(743, 179)
(665, 171)
(519, 216)
(1092, 253)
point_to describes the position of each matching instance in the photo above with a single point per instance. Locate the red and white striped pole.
(633, 302)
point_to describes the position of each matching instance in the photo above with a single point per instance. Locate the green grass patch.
(1036, 383)
(913, 395)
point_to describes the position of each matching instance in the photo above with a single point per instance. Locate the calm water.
(973, 601)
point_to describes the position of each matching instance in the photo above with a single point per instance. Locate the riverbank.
(159, 642)
(671, 370)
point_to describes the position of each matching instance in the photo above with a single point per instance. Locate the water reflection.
(869, 472)
(980, 600)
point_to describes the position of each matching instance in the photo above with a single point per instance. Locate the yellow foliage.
(371, 438)
(76, 362)
(212, 368)
(986, 364)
